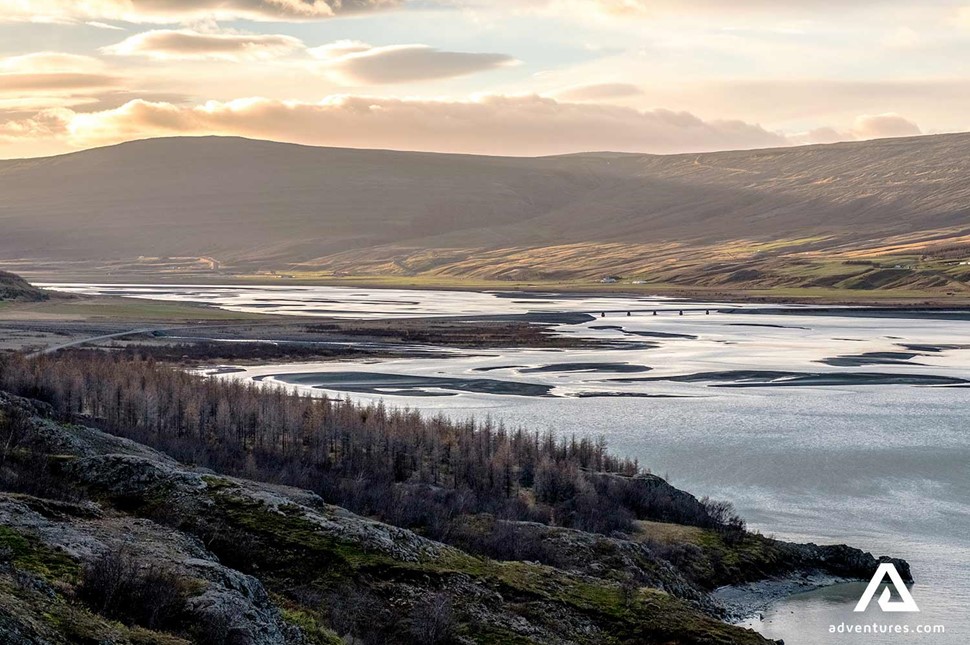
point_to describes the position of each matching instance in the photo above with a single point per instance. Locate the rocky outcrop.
(746, 569)
(270, 564)
(657, 499)
(809, 566)
(267, 564)
(840, 560)
(221, 596)
(616, 559)
(13, 287)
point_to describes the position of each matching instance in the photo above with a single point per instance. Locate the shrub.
(116, 587)
(433, 620)
(724, 518)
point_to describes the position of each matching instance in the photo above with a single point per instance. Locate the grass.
(822, 269)
(41, 606)
(288, 544)
(27, 553)
(313, 629)
(419, 282)
(120, 309)
(658, 282)
(293, 540)
(782, 270)
(666, 533)
(803, 267)
(649, 287)
(43, 614)
(716, 561)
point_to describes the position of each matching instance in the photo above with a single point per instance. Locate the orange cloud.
(172, 11)
(40, 62)
(18, 83)
(877, 126)
(517, 125)
(47, 124)
(52, 73)
(866, 126)
(187, 44)
(357, 63)
(598, 91)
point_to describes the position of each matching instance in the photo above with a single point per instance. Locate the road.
(92, 339)
(146, 330)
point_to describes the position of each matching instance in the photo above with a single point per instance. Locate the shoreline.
(744, 602)
(820, 297)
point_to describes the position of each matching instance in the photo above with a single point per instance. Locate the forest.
(427, 474)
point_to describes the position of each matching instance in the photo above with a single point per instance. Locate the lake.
(847, 427)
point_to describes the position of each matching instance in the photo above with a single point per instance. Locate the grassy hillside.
(879, 215)
(13, 287)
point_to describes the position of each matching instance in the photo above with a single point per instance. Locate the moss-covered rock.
(26, 552)
(318, 551)
(51, 556)
(279, 565)
(36, 604)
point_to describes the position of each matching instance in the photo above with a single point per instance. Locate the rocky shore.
(235, 560)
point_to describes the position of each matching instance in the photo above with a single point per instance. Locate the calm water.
(880, 465)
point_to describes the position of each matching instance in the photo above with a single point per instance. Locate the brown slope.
(262, 204)
(865, 190)
(235, 198)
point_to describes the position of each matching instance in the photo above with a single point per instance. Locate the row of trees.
(391, 463)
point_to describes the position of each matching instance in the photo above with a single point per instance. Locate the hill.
(13, 287)
(891, 213)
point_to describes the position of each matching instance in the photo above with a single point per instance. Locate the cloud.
(180, 11)
(902, 38)
(516, 125)
(866, 126)
(625, 9)
(795, 103)
(820, 135)
(348, 61)
(961, 17)
(25, 106)
(103, 25)
(877, 126)
(623, 6)
(46, 124)
(54, 82)
(174, 11)
(41, 62)
(51, 73)
(338, 49)
(598, 91)
(187, 44)
(357, 63)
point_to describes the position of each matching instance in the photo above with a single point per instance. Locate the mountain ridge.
(245, 206)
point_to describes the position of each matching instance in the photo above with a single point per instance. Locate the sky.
(501, 77)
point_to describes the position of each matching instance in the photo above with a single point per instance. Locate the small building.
(610, 279)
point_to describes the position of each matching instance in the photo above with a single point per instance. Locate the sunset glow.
(527, 77)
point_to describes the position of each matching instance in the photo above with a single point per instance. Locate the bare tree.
(433, 620)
